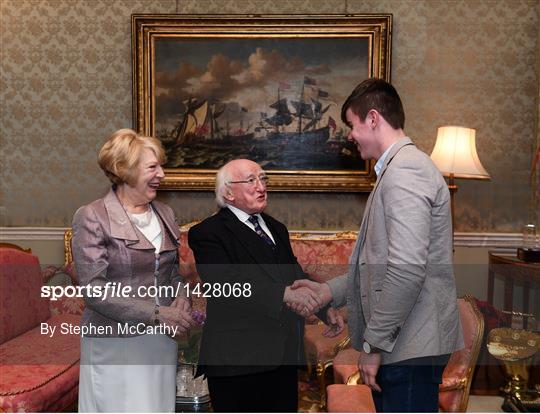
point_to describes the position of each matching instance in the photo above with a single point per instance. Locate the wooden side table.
(512, 269)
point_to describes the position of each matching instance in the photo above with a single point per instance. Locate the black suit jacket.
(251, 333)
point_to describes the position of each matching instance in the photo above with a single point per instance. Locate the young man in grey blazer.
(403, 314)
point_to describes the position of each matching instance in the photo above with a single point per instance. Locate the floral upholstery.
(38, 372)
(63, 384)
(21, 304)
(187, 261)
(65, 305)
(457, 376)
(350, 399)
(345, 365)
(320, 347)
(323, 257)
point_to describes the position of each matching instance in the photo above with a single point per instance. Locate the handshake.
(306, 297)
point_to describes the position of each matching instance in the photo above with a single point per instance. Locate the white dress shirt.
(380, 161)
(243, 217)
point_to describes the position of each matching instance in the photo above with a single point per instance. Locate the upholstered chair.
(320, 352)
(458, 374)
(345, 365)
(348, 395)
(351, 397)
(323, 257)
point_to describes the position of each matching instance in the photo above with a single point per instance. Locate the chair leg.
(321, 377)
(309, 367)
(322, 384)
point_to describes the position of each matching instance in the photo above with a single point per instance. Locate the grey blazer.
(400, 288)
(108, 248)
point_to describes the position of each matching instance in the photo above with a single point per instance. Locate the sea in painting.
(276, 101)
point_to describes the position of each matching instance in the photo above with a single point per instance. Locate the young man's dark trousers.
(410, 386)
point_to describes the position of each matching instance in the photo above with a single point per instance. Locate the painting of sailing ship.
(276, 102)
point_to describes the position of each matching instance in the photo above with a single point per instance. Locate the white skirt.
(128, 374)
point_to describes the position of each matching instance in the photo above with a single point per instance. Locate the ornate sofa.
(322, 255)
(38, 372)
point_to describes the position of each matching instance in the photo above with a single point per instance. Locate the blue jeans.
(410, 386)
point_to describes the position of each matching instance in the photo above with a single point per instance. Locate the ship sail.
(282, 116)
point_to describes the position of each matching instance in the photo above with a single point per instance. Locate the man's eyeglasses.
(252, 181)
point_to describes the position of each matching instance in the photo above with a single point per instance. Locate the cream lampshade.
(456, 157)
(455, 153)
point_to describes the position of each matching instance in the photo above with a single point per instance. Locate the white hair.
(223, 177)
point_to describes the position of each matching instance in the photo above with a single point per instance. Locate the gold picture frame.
(265, 87)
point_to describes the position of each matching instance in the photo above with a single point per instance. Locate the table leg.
(491, 277)
(525, 302)
(508, 294)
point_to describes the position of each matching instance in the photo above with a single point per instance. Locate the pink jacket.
(108, 248)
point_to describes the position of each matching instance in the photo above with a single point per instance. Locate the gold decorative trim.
(186, 227)
(483, 240)
(16, 247)
(345, 235)
(68, 255)
(475, 351)
(354, 379)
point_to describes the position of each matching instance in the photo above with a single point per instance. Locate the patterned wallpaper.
(66, 84)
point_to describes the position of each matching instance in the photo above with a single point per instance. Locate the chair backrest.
(21, 305)
(16, 247)
(457, 376)
(322, 256)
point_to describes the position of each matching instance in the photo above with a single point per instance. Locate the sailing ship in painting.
(298, 135)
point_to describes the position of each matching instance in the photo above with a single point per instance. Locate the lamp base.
(529, 254)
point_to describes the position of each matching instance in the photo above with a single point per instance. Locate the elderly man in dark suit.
(252, 341)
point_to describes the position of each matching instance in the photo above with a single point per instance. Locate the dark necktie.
(258, 229)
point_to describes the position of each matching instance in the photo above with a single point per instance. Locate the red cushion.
(350, 399)
(345, 365)
(188, 269)
(55, 395)
(457, 370)
(32, 359)
(21, 304)
(457, 366)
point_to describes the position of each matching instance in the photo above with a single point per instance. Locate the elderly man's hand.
(302, 300)
(321, 289)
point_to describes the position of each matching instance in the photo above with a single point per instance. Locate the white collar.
(241, 214)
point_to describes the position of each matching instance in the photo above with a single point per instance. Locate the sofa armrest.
(62, 276)
(67, 306)
(51, 272)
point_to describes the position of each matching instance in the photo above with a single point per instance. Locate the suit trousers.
(270, 391)
(410, 386)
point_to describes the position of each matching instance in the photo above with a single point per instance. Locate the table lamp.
(456, 157)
